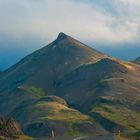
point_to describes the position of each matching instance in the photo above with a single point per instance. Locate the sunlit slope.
(51, 113)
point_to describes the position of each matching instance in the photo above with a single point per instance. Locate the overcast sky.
(112, 26)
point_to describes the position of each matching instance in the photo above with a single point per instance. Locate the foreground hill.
(71, 89)
(137, 61)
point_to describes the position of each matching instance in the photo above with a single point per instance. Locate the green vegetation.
(87, 79)
(117, 137)
(74, 130)
(119, 114)
(54, 115)
(56, 111)
(38, 92)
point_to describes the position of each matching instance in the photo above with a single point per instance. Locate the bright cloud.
(106, 21)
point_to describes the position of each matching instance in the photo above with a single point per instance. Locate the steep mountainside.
(71, 89)
(44, 66)
(137, 61)
(53, 61)
(35, 76)
(108, 90)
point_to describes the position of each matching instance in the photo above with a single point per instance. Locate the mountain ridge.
(137, 61)
(71, 87)
(81, 54)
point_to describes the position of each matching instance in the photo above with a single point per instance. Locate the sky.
(111, 26)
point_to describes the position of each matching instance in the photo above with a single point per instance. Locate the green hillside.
(71, 89)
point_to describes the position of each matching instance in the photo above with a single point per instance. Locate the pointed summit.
(61, 36)
(137, 61)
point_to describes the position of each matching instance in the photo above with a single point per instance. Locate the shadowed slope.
(109, 88)
(137, 61)
(42, 67)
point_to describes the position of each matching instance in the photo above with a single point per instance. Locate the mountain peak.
(136, 61)
(61, 36)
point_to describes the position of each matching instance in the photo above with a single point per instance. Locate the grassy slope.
(116, 82)
(36, 91)
(53, 111)
(111, 109)
(54, 115)
(121, 115)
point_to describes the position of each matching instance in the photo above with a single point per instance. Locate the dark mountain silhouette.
(71, 89)
(137, 61)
